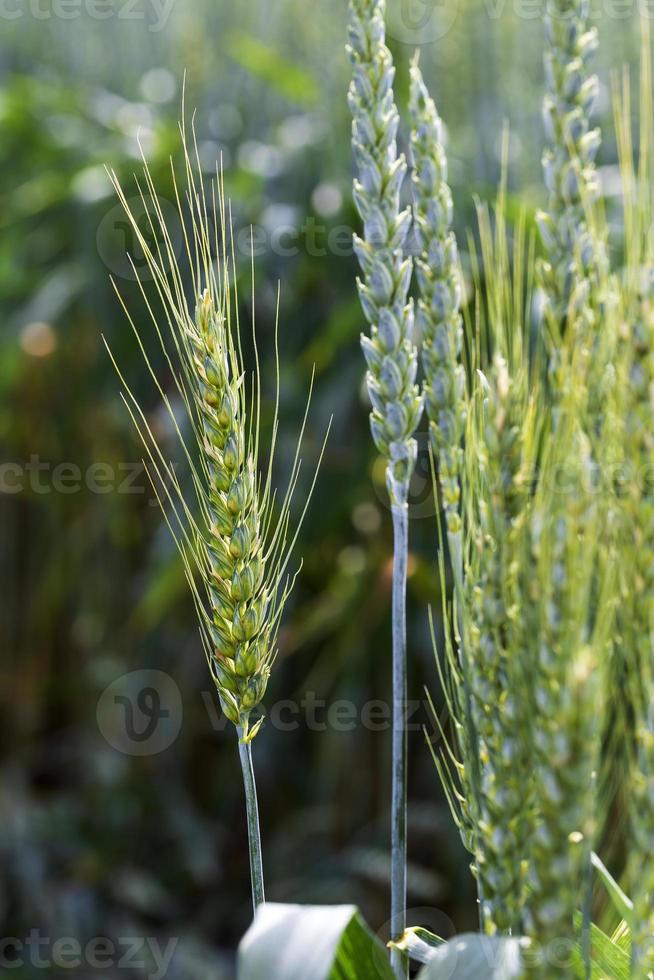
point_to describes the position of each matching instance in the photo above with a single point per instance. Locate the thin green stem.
(399, 762)
(254, 831)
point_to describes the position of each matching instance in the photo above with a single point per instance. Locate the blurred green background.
(95, 841)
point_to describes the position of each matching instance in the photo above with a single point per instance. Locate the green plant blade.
(472, 956)
(609, 959)
(621, 902)
(420, 944)
(311, 942)
(622, 937)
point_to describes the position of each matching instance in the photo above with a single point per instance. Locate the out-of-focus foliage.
(92, 841)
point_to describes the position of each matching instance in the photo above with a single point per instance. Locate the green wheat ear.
(637, 388)
(438, 318)
(572, 593)
(235, 538)
(569, 163)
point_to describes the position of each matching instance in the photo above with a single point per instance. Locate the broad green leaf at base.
(311, 942)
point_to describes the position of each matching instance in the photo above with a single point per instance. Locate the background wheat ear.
(439, 319)
(636, 385)
(572, 591)
(234, 537)
(569, 165)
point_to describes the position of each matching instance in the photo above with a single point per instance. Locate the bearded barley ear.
(439, 320)
(390, 353)
(235, 540)
(575, 257)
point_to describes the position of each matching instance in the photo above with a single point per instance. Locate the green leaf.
(472, 956)
(419, 943)
(311, 942)
(609, 959)
(622, 937)
(622, 904)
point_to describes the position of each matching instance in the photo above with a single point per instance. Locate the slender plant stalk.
(399, 755)
(390, 353)
(252, 810)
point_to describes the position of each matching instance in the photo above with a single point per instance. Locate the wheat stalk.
(235, 539)
(390, 354)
